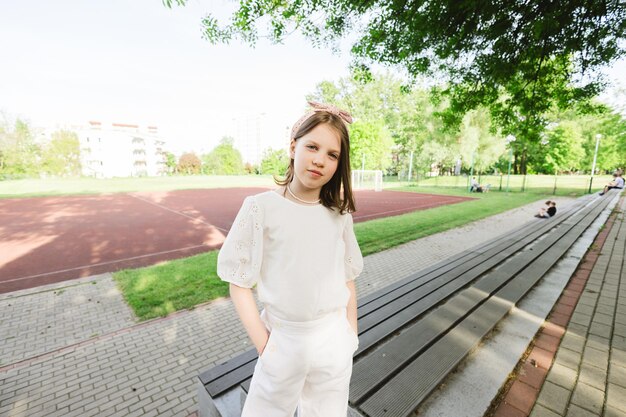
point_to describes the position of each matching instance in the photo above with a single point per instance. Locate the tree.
(384, 105)
(224, 159)
(561, 149)
(478, 145)
(511, 57)
(189, 164)
(274, 162)
(61, 157)
(612, 128)
(19, 154)
(170, 162)
(370, 142)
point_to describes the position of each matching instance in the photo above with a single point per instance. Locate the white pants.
(305, 365)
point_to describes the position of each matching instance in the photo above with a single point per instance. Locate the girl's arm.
(249, 316)
(351, 308)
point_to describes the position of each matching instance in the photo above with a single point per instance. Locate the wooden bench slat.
(231, 379)
(228, 366)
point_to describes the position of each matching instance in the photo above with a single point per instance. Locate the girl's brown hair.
(331, 193)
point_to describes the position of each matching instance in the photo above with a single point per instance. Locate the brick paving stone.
(562, 376)
(588, 298)
(559, 319)
(578, 329)
(554, 397)
(608, 310)
(42, 316)
(613, 412)
(585, 309)
(616, 397)
(540, 357)
(570, 301)
(547, 342)
(620, 329)
(573, 342)
(521, 396)
(532, 375)
(598, 343)
(617, 375)
(505, 410)
(618, 342)
(564, 309)
(605, 319)
(581, 318)
(618, 357)
(541, 411)
(588, 397)
(568, 358)
(591, 375)
(596, 358)
(575, 411)
(575, 287)
(553, 330)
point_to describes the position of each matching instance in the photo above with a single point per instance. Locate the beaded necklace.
(301, 200)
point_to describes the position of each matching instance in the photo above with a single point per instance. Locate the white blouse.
(298, 256)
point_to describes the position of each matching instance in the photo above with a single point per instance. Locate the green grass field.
(70, 186)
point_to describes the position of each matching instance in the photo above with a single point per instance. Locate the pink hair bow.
(317, 107)
(331, 109)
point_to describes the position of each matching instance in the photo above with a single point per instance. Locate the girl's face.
(315, 158)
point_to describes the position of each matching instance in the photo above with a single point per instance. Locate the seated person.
(618, 182)
(475, 186)
(548, 211)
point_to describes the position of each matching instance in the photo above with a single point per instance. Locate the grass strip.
(180, 284)
(560, 185)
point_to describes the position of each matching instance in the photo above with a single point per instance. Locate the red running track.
(50, 239)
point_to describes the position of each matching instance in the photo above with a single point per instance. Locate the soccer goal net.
(367, 179)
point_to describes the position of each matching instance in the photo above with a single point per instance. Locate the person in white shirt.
(297, 245)
(617, 182)
(475, 186)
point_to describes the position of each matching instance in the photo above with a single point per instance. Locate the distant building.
(120, 150)
(248, 133)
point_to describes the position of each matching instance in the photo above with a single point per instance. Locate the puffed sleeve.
(239, 260)
(353, 258)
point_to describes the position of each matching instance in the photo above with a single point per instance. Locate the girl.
(297, 244)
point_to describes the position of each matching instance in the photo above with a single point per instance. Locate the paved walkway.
(577, 364)
(74, 348)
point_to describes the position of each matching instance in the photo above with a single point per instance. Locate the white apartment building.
(120, 150)
(248, 132)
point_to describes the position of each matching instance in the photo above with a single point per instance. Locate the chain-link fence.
(545, 184)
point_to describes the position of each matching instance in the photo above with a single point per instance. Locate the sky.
(138, 62)
(68, 62)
